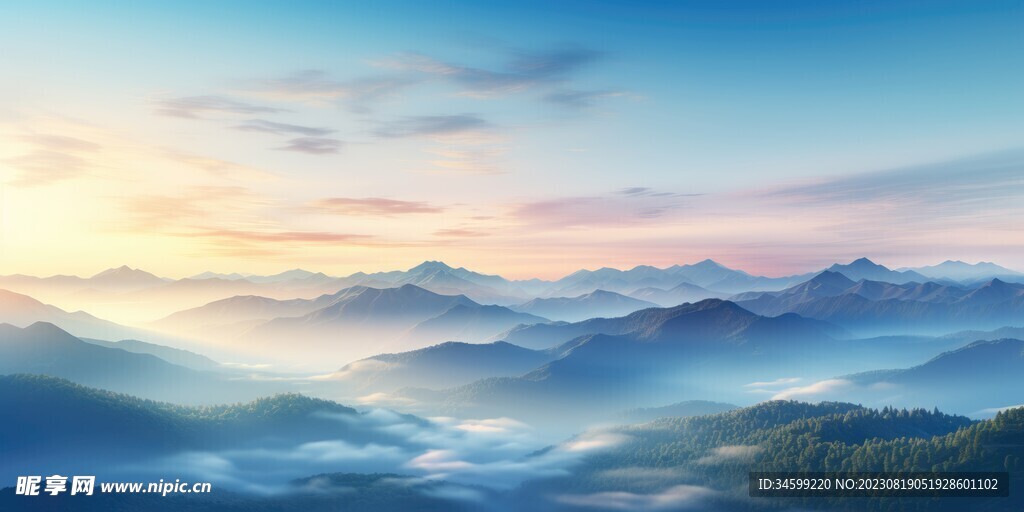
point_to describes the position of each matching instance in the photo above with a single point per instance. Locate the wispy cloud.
(194, 107)
(41, 167)
(459, 233)
(593, 441)
(217, 167)
(316, 87)
(492, 425)
(52, 158)
(649, 192)
(626, 207)
(319, 237)
(812, 391)
(439, 125)
(991, 411)
(60, 143)
(264, 126)
(730, 454)
(680, 497)
(523, 70)
(964, 208)
(381, 399)
(465, 144)
(642, 477)
(929, 195)
(488, 452)
(578, 99)
(374, 206)
(275, 241)
(313, 145)
(473, 155)
(241, 225)
(773, 383)
(190, 208)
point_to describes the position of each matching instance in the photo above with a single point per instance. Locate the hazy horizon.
(551, 277)
(854, 171)
(526, 141)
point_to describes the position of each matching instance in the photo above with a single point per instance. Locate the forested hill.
(718, 451)
(107, 424)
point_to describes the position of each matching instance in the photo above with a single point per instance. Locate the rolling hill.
(984, 375)
(440, 366)
(471, 323)
(359, 322)
(110, 429)
(648, 358)
(22, 310)
(864, 268)
(968, 273)
(711, 320)
(875, 307)
(703, 463)
(679, 294)
(45, 349)
(171, 355)
(598, 303)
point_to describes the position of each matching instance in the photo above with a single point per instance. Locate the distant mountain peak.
(861, 263)
(997, 284)
(708, 262)
(45, 327)
(863, 268)
(645, 267)
(408, 289)
(828, 274)
(958, 270)
(712, 304)
(832, 277)
(126, 275)
(209, 274)
(295, 272)
(122, 270)
(431, 265)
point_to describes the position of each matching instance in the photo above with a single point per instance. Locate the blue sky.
(462, 130)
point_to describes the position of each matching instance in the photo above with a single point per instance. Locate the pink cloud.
(372, 206)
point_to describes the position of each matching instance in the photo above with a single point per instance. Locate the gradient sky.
(520, 138)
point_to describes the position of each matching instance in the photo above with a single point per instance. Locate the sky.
(524, 138)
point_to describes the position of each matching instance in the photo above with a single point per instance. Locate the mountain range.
(328, 330)
(967, 273)
(440, 366)
(175, 356)
(361, 321)
(711, 320)
(705, 462)
(644, 359)
(45, 349)
(66, 426)
(679, 294)
(875, 307)
(546, 364)
(677, 410)
(22, 310)
(659, 367)
(985, 375)
(598, 303)
(131, 296)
